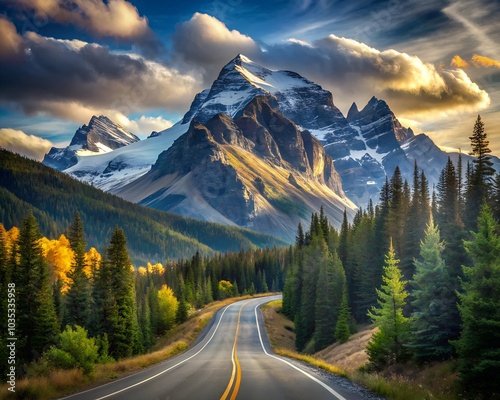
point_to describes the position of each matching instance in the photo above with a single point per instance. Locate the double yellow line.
(236, 366)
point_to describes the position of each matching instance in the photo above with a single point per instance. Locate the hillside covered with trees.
(153, 235)
(423, 266)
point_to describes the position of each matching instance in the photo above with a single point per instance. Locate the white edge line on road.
(337, 395)
(159, 373)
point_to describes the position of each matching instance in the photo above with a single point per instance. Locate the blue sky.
(141, 62)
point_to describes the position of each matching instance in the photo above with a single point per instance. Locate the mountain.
(257, 170)
(364, 160)
(101, 135)
(365, 146)
(152, 235)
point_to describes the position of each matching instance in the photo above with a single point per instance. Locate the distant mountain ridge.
(101, 135)
(365, 146)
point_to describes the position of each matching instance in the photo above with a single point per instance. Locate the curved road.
(232, 360)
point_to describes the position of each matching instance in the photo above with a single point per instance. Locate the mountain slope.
(152, 235)
(101, 135)
(257, 171)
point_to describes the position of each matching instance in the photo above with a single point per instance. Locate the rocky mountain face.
(257, 170)
(255, 150)
(373, 153)
(101, 135)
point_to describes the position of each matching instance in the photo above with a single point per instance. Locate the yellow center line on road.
(236, 366)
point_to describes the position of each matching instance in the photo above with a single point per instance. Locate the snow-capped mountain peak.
(101, 135)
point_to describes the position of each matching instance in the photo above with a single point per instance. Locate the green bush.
(74, 350)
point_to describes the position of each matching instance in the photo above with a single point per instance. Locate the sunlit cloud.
(350, 69)
(459, 62)
(481, 61)
(118, 19)
(11, 44)
(27, 145)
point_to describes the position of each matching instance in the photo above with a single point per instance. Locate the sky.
(140, 62)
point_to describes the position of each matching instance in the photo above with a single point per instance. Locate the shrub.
(74, 350)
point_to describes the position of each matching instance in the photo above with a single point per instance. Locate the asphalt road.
(232, 360)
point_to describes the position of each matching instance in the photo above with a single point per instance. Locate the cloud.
(206, 42)
(145, 125)
(481, 61)
(350, 69)
(11, 43)
(115, 18)
(27, 145)
(459, 62)
(118, 19)
(75, 80)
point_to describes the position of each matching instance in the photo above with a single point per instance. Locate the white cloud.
(350, 69)
(27, 145)
(205, 43)
(116, 18)
(143, 126)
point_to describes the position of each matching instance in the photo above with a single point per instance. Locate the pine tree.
(387, 346)
(300, 239)
(330, 281)
(37, 321)
(496, 198)
(123, 330)
(435, 311)
(397, 212)
(342, 331)
(479, 343)
(480, 178)
(78, 296)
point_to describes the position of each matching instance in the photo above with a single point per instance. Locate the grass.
(59, 383)
(401, 382)
(313, 361)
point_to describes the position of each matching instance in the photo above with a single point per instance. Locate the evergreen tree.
(78, 296)
(123, 331)
(480, 178)
(300, 239)
(342, 331)
(387, 346)
(479, 343)
(496, 198)
(396, 217)
(37, 320)
(435, 311)
(330, 283)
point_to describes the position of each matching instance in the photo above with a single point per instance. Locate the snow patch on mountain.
(110, 171)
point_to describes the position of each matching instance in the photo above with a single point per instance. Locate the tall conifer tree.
(479, 343)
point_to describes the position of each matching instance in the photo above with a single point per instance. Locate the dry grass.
(63, 382)
(334, 369)
(401, 382)
(349, 356)
(279, 328)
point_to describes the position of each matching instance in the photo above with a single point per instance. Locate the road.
(232, 360)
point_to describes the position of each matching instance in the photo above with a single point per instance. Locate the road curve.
(233, 360)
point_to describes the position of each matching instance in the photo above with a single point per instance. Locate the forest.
(76, 307)
(422, 266)
(153, 235)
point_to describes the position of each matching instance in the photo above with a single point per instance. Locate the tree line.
(423, 265)
(76, 306)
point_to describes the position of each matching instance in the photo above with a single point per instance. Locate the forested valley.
(423, 265)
